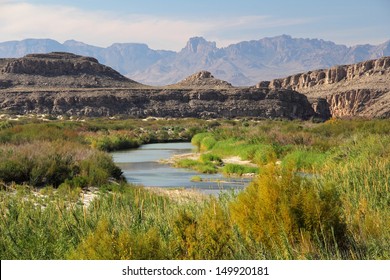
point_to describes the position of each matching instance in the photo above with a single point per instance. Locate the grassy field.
(322, 191)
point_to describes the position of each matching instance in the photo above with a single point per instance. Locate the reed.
(341, 212)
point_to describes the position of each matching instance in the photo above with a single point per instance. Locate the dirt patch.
(238, 160)
(175, 158)
(88, 195)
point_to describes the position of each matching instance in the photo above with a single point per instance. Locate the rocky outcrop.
(68, 84)
(360, 89)
(59, 69)
(140, 103)
(361, 102)
(321, 108)
(202, 79)
(332, 75)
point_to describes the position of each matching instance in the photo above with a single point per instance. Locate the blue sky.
(167, 24)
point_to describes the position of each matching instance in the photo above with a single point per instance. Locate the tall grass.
(341, 213)
(43, 163)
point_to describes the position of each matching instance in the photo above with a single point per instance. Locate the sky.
(168, 24)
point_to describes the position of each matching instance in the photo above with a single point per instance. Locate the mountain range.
(243, 63)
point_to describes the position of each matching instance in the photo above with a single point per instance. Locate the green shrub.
(196, 178)
(202, 167)
(203, 141)
(303, 160)
(43, 163)
(197, 139)
(238, 169)
(208, 237)
(114, 142)
(283, 212)
(106, 243)
(264, 154)
(5, 124)
(210, 158)
(207, 168)
(207, 143)
(70, 193)
(186, 163)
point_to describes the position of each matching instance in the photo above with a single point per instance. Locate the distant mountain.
(244, 63)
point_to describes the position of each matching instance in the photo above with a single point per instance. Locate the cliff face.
(67, 84)
(360, 89)
(360, 102)
(198, 103)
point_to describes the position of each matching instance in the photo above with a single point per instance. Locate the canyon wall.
(360, 89)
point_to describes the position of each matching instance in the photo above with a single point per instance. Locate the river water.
(140, 166)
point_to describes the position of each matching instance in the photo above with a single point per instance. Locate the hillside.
(59, 70)
(202, 79)
(66, 84)
(241, 64)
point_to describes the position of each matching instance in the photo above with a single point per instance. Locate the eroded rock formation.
(67, 84)
(360, 89)
(199, 103)
(202, 79)
(59, 69)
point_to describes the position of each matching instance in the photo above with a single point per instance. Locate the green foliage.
(115, 142)
(361, 170)
(207, 168)
(69, 192)
(210, 158)
(202, 167)
(209, 237)
(198, 139)
(196, 178)
(303, 160)
(207, 143)
(5, 124)
(283, 211)
(238, 169)
(20, 134)
(53, 163)
(186, 163)
(36, 228)
(341, 213)
(106, 243)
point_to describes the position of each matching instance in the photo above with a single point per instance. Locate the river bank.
(153, 165)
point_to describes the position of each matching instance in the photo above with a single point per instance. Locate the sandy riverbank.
(196, 156)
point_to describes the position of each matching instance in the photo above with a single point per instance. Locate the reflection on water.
(140, 166)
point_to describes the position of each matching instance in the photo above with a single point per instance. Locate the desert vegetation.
(321, 191)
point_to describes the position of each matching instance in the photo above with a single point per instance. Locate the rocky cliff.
(140, 103)
(361, 89)
(59, 69)
(67, 84)
(202, 79)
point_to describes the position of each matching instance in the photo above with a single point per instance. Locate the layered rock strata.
(68, 84)
(58, 70)
(361, 89)
(179, 103)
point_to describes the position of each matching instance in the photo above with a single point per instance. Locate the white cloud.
(23, 20)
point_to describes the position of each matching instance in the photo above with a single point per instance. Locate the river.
(140, 166)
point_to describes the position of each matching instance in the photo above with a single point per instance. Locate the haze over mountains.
(243, 63)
